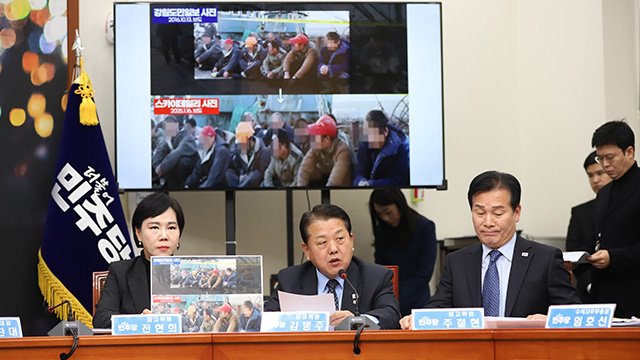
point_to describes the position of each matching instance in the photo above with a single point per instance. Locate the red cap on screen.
(324, 126)
(208, 131)
(300, 39)
(225, 308)
(228, 41)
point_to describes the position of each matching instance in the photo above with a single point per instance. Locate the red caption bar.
(184, 106)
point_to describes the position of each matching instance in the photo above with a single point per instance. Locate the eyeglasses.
(608, 158)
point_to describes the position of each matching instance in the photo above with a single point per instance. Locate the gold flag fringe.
(55, 292)
(88, 114)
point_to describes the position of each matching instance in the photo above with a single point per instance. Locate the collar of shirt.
(322, 286)
(504, 268)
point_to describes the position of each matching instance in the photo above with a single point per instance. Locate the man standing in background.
(616, 277)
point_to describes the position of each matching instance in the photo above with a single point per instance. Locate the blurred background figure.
(407, 239)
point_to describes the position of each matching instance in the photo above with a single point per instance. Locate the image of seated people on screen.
(258, 141)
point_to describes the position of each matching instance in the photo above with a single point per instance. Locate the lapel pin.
(525, 254)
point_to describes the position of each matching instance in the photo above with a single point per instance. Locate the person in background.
(214, 158)
(251, 59)
(301, 135)
(192, 322)
(273, 64)
(285, 163)
(209, 50)
(581, 235)
(227, 321)
(616, 274)
(276, 121)
(250, 318)
(333, 67)
(301, 62)
(383, 158)
(230, 280)
(208, 321)
(505, 274)
(250, 158)
(229, 63)
(157, 222)
(174, 158)
(329, 162)
(407, 239)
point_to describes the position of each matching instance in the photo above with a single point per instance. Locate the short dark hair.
(616, 132)
(378, 119)
(171, 119)
(248, 304)
(283, 137)
(590, 160)
(152, 206)
(191, 122)
(332, 35)
(495, 180)
(274, 44)
(322, 212)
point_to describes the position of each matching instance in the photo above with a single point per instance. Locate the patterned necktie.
(332, 289)
(491, 287)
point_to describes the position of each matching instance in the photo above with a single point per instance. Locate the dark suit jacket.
(537, 280)
(126, 291)
(618, 222)
(581, 236)
(372, 281)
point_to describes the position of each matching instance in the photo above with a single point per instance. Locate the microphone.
(69, 316)
(343, 274)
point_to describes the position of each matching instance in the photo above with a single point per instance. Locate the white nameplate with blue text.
(587, 316)
(10, 327)
(146, 324)
(447, 319)
(294, 321)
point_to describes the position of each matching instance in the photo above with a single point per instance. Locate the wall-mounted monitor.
(242, 95)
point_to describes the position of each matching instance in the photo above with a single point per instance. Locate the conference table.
(615, 343)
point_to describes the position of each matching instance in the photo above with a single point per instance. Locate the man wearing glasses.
(616, 260)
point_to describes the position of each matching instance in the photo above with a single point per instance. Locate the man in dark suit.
(616, 277)
(328, 245)
(505, 274)
(581, 235)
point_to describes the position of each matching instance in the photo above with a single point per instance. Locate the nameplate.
(10, 327)
(447, 319)
(294, 321)
(146, 324)
(588, 316)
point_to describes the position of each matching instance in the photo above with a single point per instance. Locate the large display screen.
(240, 95)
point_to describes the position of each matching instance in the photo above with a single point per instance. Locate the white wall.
(526, 84)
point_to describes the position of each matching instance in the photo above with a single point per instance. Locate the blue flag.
(85, 227)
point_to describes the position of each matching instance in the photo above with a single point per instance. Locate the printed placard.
(447, 319)
(146, 324)
(10, 327)
(166, 15)
(297, 321)
(587, 316)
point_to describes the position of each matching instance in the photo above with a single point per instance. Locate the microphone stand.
(357, 322)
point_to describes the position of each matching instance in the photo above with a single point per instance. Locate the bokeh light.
(44, 125)
(17, 9)
(5, 2)
(45, 46)
(7, 38)
(63, 102)
(17, 117)
(37, 4)
(20, 170)
(36, 105)
(40, 17)
(57, 7)
(29, 61)
(55, 29)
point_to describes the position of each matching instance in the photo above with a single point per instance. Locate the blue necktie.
(332, 289)
(491, 287)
